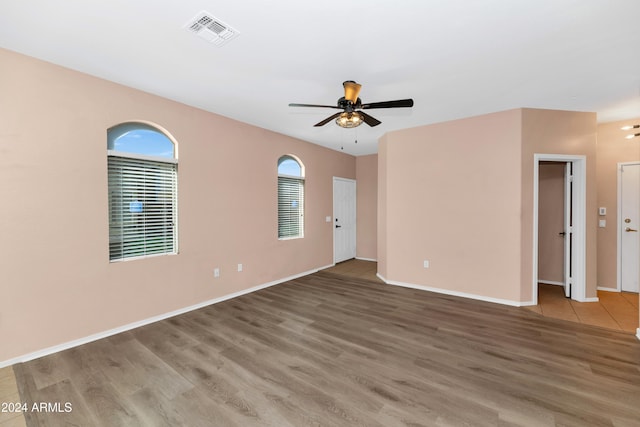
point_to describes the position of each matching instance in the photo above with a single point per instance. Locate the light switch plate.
(602, 211)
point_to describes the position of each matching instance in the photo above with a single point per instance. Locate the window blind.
(142, 207)
(290, 207)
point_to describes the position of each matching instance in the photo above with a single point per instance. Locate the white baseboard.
(528, 303)
(366, 259)
(592, 299)
(551, 282)
(124, 328)
(638, 333)
(456, 293)
(604, 288)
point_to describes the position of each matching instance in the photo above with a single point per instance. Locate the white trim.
(592, 299)
(578, 292)
(551, 282)
(366, 259)
(528, 303)
(620, 222)
(94, 337)
(291, 238)
(638, 333)
(456, 293)
(606, 289)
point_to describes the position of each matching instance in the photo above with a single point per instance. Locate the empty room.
(284, 213)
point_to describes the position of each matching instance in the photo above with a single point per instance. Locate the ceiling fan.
(352, 116)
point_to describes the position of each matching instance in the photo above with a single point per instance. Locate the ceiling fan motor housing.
(347, 105)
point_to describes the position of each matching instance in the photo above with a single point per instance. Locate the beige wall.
(460, 194)
(452, 195)
(558, 132)
(551, 222)
(612, 148)
(382, 228)
(367, 201)
(57, 282)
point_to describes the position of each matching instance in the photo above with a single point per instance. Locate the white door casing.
(568, 230)
(577, 260)
(629, 227)
(344, 219)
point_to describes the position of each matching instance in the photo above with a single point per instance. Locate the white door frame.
(579, 202)
(620, 225)
(567, 230)
(333, 220)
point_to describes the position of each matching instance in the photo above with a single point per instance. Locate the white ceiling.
(455, 58)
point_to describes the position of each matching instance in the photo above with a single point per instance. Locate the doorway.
(573, 232)
(554, 222)
(629, 227)
(344, 219)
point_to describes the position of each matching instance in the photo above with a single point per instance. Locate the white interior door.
(630, 227)
(344, 219)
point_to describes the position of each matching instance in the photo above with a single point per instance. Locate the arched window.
(143, 191)
(290, 198)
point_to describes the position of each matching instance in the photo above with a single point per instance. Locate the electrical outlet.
(425, 263)
(216, 272)
(239, 267)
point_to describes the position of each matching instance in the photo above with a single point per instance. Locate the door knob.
(629, 229)
(339, 226)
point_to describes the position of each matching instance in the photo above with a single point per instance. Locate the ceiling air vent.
(211, 29)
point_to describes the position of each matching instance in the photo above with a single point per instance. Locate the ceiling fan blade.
(327, 120)
(314, 105)
(371, 121)
(389, 104)
(351, 91)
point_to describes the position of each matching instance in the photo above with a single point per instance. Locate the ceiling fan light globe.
(349, 119)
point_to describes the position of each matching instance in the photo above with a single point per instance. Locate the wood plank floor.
(332, 350)
(614, 310)
(9, 417)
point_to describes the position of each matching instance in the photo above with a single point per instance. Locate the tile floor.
(614, 310)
